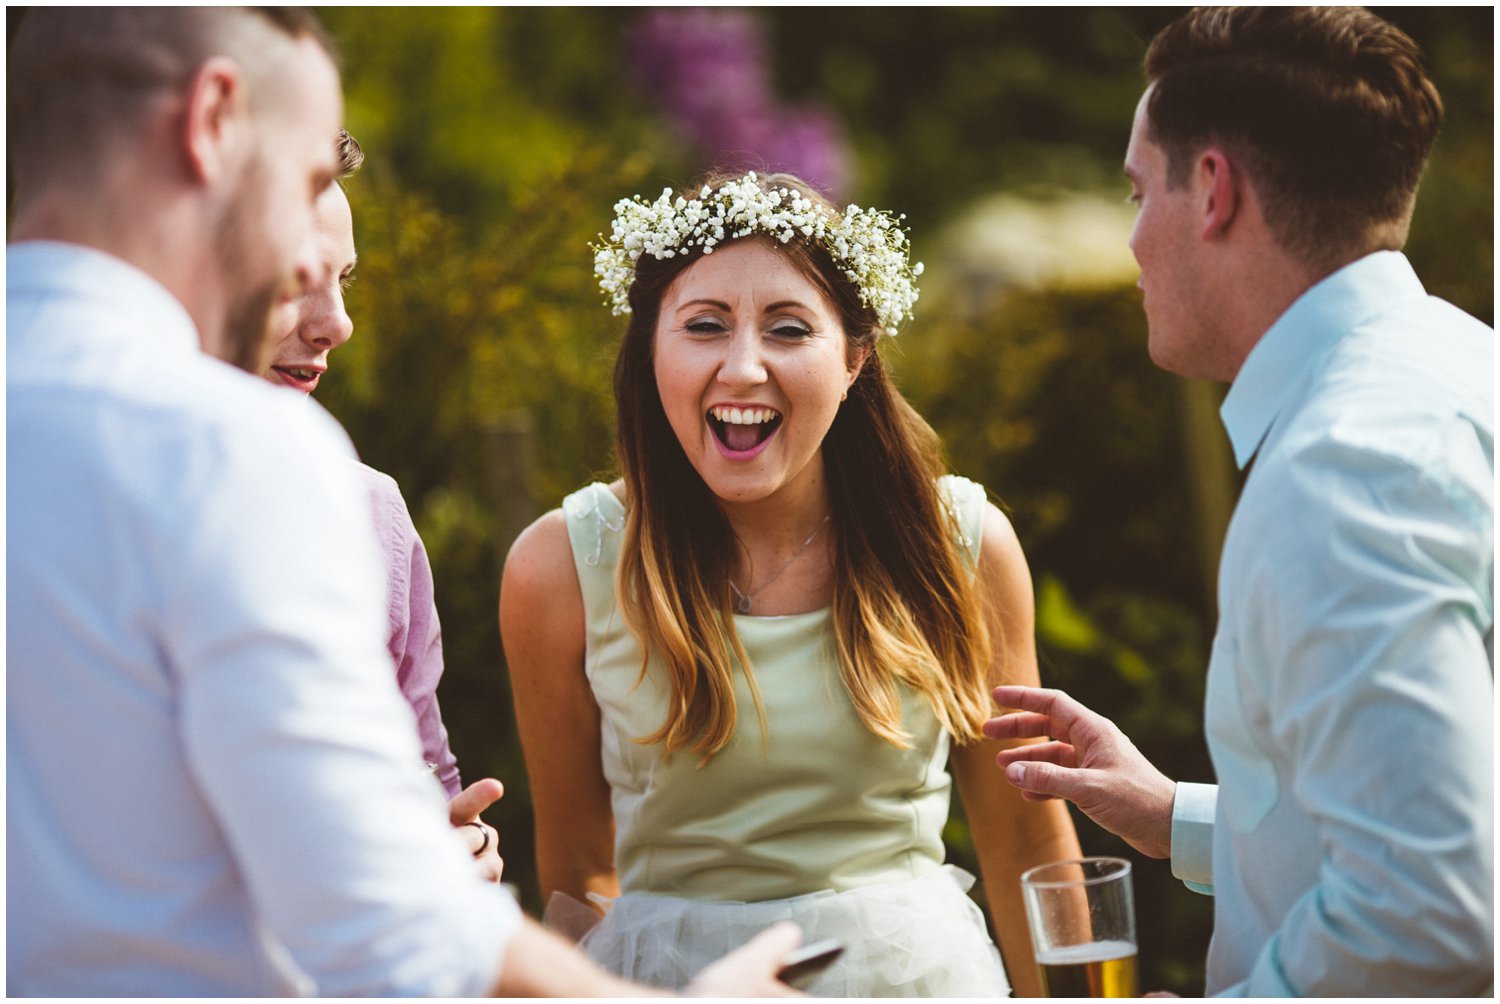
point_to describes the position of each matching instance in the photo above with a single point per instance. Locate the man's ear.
(1218, 184)
(215, 120)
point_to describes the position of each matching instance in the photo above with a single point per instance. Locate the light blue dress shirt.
(213, 784)
(1350, 699)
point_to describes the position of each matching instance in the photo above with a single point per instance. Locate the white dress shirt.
(1350, 702)
(214, 786)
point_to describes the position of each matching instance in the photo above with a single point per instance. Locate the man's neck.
(1268, 284)
(154, 235)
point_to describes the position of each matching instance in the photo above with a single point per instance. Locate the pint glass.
(1082, 917)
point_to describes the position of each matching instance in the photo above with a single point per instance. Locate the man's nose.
(326, 324)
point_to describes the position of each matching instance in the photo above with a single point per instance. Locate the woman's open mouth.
(742, 432)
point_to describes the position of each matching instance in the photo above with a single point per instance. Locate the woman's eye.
(790, 330)
(705, 326)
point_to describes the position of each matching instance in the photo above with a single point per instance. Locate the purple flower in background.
(807, 142)
(708, 69)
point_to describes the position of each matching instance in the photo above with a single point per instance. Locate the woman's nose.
(744, 363)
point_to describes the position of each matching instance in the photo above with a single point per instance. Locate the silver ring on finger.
(485, 831)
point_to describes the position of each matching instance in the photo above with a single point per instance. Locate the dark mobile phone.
(808, 961)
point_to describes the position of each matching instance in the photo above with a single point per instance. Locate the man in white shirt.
(214, 787)
(1350, 841)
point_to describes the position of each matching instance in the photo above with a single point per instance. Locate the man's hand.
(484, 843)
(1087, 761)
(750, 970)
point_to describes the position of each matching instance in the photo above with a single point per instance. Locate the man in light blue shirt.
(1349, 843)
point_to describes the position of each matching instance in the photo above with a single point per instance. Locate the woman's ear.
(855, 366)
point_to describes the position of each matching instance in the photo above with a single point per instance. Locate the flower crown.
(867, 244)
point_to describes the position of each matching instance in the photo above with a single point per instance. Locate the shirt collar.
(1311, 326)
(122, 291)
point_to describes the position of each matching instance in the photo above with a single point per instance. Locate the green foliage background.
(498, 139)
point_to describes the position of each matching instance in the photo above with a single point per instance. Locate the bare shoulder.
(1002, 562)
(542, 550)
(539, 587)
(999, 544)
(544, 631)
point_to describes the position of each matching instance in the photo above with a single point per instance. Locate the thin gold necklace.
(743, 601)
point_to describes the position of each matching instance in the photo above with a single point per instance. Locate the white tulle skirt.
(919, 937)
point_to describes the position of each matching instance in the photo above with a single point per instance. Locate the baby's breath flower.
(867, 245)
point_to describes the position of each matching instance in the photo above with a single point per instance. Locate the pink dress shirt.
(415, 638)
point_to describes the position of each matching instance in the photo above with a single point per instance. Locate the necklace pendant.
(742, 601)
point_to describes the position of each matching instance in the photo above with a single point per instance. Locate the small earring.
(845, 395)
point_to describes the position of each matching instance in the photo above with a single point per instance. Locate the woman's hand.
(484, 841)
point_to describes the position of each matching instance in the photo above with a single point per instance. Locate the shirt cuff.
(1193, 835)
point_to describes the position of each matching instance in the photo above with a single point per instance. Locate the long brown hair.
(906, 606)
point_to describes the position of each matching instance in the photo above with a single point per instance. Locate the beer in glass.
(1082, 918)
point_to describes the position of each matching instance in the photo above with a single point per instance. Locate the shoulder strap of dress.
(596, 520)
(965, 499)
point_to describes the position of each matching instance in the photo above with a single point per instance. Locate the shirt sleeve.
(415, 640)
(1375, 595)
(298, 737)
(1193, 835)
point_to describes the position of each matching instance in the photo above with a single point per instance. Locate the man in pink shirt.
(311, 327)
(306, 330)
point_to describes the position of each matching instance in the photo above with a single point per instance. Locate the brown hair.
(906, 607)
(1328, 109)
(81, 78)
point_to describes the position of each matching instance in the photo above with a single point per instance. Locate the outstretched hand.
(750, 970)
(484, 841)
(1086, 760)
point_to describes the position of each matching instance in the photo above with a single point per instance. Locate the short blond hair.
(82, 79)
(350, 155)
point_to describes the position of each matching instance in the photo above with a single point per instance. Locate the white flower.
(866, 244)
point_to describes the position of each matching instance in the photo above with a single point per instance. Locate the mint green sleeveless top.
(820, 803)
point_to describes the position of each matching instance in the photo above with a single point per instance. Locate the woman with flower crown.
(739, 670)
